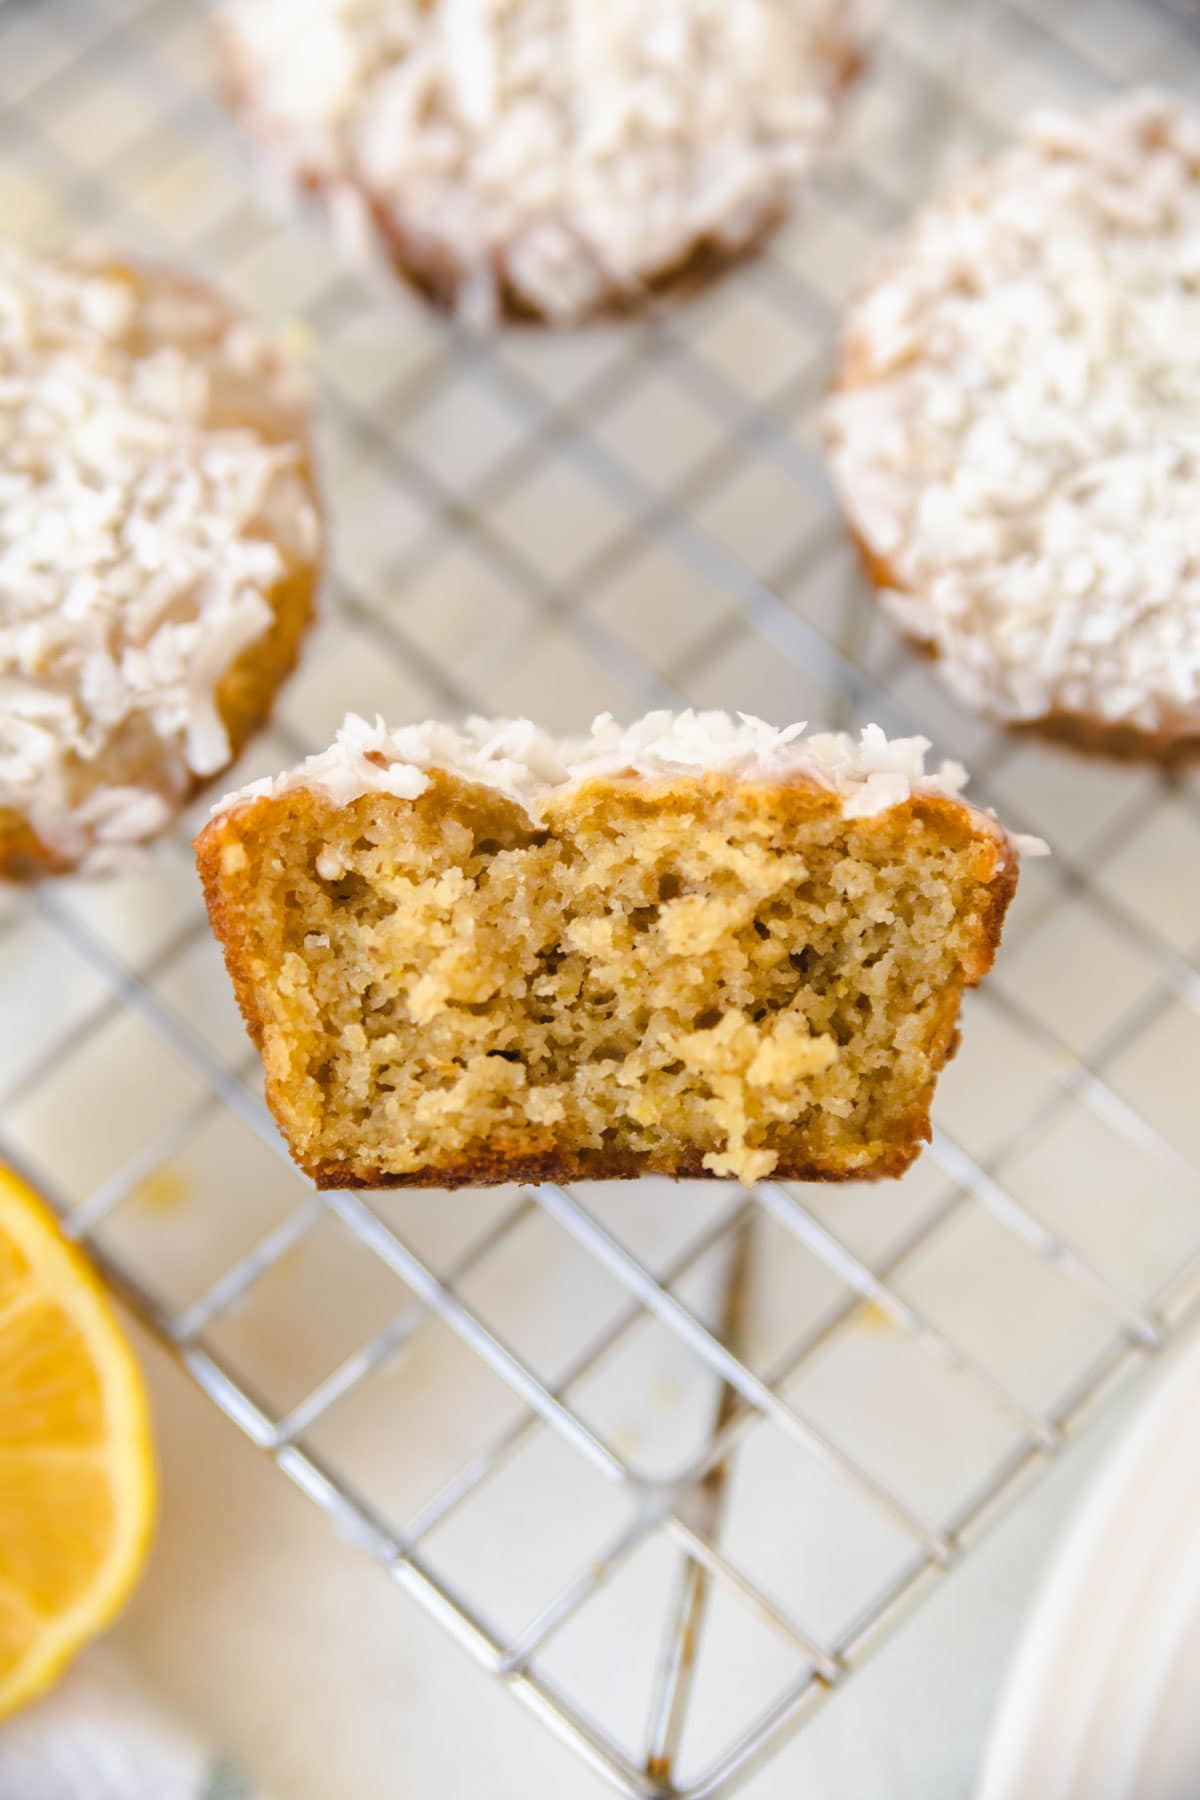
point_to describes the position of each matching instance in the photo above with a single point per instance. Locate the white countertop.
(299, 1657)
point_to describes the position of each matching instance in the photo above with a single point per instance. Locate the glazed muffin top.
(555, 154)
(153, 492)
(1016, 433)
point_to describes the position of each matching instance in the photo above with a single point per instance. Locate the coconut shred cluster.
(1017, 438)
(144, 521)
(870, 773)
(556, 153)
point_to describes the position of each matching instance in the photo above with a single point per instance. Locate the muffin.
(160, 540)
(1014, 430)
(551, 158)
(693, 947)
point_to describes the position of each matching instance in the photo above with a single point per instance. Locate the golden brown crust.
(23, 856)
(210, 844)
(530, 1171)
(525, 1159)
(1116, 743)
(247, 691)
(424, 268)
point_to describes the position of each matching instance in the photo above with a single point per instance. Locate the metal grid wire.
(752, 1429)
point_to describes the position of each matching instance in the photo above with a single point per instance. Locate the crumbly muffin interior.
(701, 973)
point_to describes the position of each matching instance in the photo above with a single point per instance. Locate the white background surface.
(297, 1655)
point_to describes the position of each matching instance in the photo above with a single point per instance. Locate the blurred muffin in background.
(1015, 432)
(160, 543)
(546, 158)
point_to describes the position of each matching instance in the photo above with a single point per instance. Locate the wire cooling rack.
(669, 1461)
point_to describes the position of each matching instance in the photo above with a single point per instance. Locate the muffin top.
(867, 774)
(557, 153)
(154, 491)
(1016, 433)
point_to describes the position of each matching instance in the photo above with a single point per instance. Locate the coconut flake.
(870, 774)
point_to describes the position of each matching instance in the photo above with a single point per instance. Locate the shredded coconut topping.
(1018, 436)
(869, 774)
(564, 150)
(152, 494)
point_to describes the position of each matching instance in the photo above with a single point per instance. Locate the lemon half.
(77, 1487)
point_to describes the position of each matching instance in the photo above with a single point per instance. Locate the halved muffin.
(697, 946)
